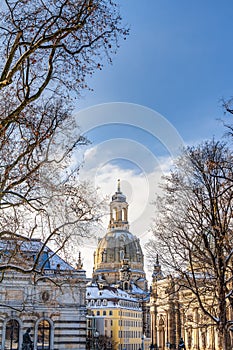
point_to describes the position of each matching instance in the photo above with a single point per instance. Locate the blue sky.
(177, 61)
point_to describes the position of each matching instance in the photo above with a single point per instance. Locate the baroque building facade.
(176, 315)
(52, 304)
(118, 289)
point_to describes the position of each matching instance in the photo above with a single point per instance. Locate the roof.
(27, 251)
(115, 297)
(117, 238)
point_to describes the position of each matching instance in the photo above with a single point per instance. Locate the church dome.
(120, 244)
(118, 247)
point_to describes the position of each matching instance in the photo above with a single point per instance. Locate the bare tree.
(228, 111)
(193, 230)
(103, 342)
(47, 49)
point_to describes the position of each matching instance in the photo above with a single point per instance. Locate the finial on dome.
(118, 185)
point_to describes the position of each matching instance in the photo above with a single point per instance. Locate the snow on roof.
(135, 290)
(109, 293)
(48, 259)
(56, 260)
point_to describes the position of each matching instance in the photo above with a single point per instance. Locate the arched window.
(115, 214)
(104, 256)
(126, 286)
(125, 214)
(12, 335)
(43, 335)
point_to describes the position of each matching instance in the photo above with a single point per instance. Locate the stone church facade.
(176, 315)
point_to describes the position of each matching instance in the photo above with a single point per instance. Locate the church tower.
(118, 211)
(118, 259)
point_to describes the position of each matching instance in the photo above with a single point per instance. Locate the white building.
(52, 304)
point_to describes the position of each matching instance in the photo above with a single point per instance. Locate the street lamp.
(96, 336)
(143, 342)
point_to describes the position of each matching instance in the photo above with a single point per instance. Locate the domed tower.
(118, 258)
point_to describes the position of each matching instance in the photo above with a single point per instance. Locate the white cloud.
(128, 159)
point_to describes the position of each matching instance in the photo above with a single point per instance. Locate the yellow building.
(115, 315)
(117, 297)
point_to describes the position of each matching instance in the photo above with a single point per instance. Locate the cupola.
(118, 211)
